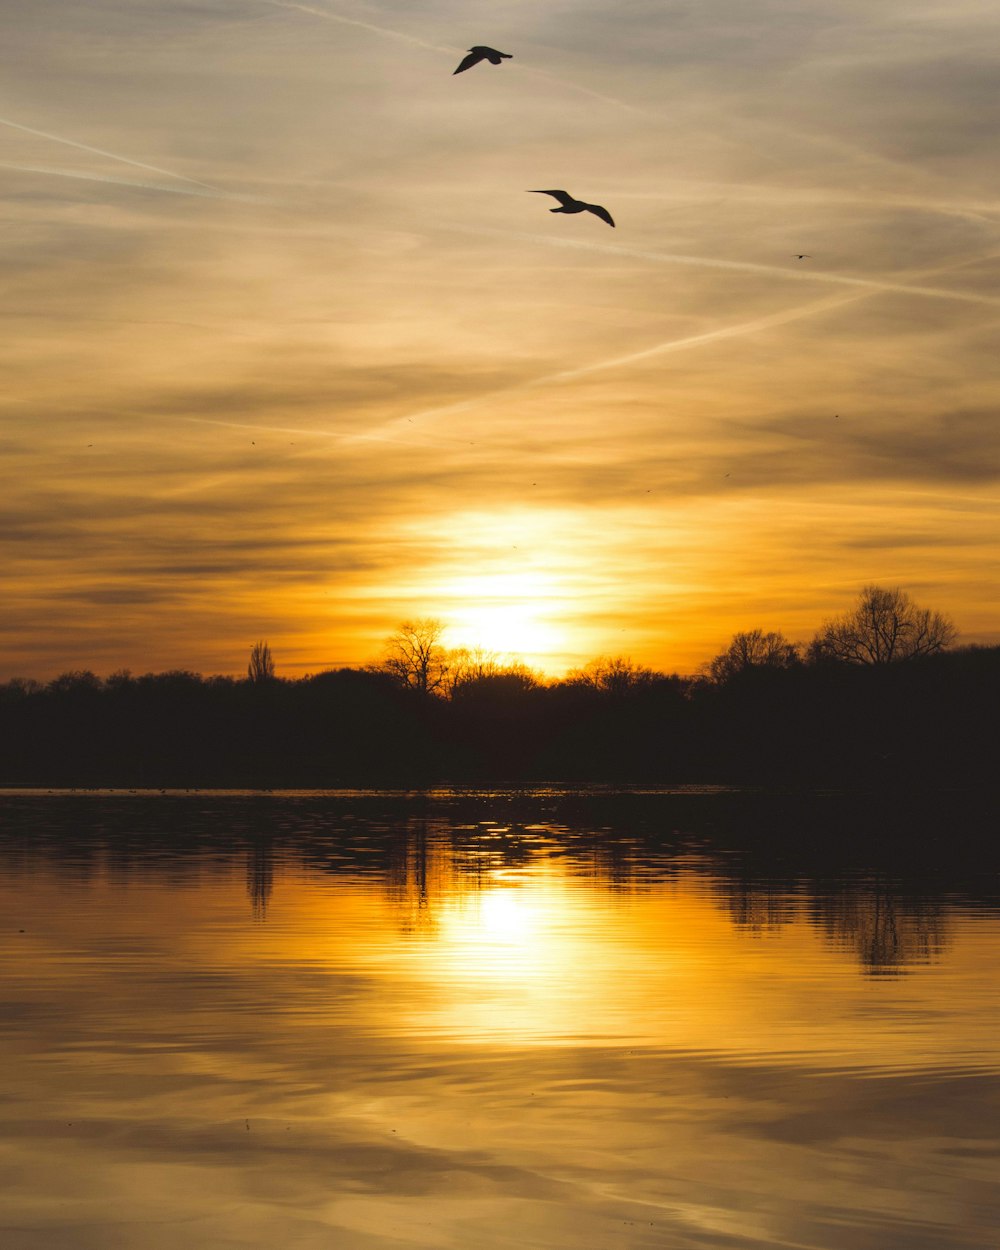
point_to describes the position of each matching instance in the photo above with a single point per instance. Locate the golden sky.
(290, 354)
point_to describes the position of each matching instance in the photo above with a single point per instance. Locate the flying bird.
(802, 256)
(481, 53)
(568, 205)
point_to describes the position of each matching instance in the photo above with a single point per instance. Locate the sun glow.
(512, 614)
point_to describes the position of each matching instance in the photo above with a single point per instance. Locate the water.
(699, 1020)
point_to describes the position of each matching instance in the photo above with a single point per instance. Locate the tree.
(615, 674)
(477, 668)
(884, 627)
(753, 649)
(415, 657)
(483, 676)
(261, 666)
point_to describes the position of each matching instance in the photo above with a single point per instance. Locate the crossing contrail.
(115, 156)
(387, 433)
(738, 330)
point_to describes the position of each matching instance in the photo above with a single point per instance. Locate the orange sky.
(290, 354)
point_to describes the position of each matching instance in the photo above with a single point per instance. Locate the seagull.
(568, 205)
(802, 256)
(481, 53)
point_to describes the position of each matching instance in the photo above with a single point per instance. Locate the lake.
(699, 1019)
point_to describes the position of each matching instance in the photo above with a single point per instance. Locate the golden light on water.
(444, 1031)
(538, 954)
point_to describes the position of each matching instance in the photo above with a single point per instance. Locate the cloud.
(286, 400)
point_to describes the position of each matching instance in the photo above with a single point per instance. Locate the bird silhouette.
(568, 205)
(802, 256)
(481, 53)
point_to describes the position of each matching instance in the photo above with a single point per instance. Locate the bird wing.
(467, 62)
(563, 197)
(598, 211)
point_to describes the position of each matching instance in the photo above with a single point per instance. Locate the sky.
(290, 354)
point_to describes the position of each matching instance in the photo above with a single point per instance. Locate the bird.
(568, 205)
(802, 256)
(481, 53)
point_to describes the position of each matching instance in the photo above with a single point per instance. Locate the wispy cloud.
(315, 410)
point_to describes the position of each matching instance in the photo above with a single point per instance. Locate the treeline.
(803, 720)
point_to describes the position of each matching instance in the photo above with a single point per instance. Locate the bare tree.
(415, 657)
(473, 664)
(752, 649)
(614, 674)
(884, 626)
(478, 671)
(261, 666)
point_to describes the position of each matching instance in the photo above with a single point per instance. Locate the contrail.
(86, 147)
(455, 51)
(784, 317)
(353, 21)
(738, 330)
(249, 425)
(801, 274)
(121, 182)
(787, 315)
(589, 91)
(326, 435)
(827, 141)
(692, 192)
(735, 331)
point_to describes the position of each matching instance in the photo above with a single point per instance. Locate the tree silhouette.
(753, 649)
(614, 674)
(415, 657)
(261, 666)
(479, 672)
(884, 627)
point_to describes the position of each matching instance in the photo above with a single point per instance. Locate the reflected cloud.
(425, 1020)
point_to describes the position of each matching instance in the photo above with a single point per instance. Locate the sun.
(511, 614)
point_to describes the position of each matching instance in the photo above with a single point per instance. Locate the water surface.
(547, 1020)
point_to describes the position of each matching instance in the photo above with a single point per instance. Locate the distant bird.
(481, 53)
(802, 256)
(568, 205)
